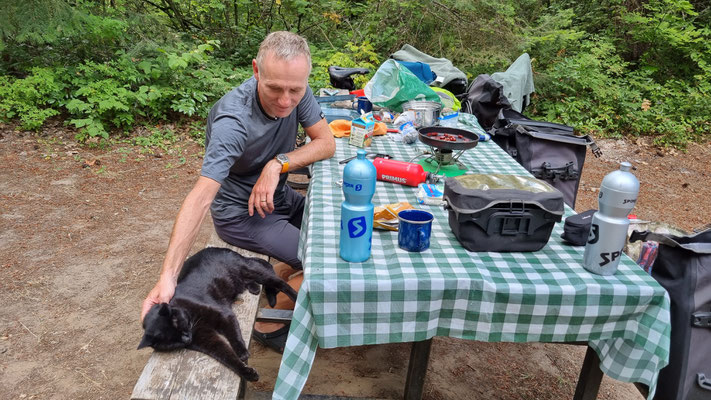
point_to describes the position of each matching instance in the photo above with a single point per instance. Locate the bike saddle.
(341, 77)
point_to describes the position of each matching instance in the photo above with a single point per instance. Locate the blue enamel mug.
(364, 105)
(414, 229)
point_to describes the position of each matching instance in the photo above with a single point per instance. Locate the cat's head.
(166, 328)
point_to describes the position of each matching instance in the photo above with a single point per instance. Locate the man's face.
(281, 84)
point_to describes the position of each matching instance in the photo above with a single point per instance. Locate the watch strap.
(284, 161)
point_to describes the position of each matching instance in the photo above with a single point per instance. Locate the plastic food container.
(426, 112)
(449, 120)
(332, 114)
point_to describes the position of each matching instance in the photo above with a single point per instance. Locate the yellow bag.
(449, 100)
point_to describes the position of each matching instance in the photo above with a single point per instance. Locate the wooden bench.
(190, 375)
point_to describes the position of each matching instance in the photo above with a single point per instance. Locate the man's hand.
(162, 292)
(262, 197)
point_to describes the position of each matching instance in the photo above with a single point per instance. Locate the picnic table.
(397, 296)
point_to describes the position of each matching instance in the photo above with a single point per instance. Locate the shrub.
(33, 99)
(361, 56)
(586, 81)
(103, 96)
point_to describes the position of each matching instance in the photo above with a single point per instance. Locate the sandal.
(274, 340)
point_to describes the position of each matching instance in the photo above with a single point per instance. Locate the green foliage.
(475, 36)
(51, 32)
(99, 97)
(666, 38)
(593, 82)
(612, 68)
(161, 138)
(31, 99)
(553, 37)
(197, 132)
(353, 55)
(102, 94)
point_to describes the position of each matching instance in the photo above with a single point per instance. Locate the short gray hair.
(283, 45)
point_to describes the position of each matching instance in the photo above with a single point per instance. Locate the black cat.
(200, 317)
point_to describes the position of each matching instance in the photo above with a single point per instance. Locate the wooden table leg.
(416, 369)
(590, 377)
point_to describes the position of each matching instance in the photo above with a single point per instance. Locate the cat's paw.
(253, 288)
(250, 374)
(244, 356)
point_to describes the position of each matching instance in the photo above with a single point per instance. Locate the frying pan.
(446, 145)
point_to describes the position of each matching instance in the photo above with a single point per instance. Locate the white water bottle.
(608, 233)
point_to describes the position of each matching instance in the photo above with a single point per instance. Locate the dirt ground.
(83, 232)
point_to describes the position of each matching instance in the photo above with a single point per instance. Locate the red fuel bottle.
(401, 172)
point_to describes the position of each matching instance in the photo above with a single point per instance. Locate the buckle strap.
(566, 172)
(701, 319)
(593, 146)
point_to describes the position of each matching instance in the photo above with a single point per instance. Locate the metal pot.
(426, 112)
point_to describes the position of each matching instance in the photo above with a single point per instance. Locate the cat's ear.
(164, 309)
(178, 317)
(145, 342)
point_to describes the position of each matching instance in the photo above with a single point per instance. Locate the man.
(249, 148)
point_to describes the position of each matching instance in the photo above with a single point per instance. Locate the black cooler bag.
(494, 212)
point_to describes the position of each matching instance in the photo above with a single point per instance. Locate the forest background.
(83, 230)
(611, 68)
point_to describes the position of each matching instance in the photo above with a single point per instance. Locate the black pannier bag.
(549, 151)
(496, 212)
(683, 268)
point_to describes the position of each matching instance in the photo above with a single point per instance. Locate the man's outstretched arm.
(185, 230)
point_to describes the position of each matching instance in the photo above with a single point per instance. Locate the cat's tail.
(271, 292)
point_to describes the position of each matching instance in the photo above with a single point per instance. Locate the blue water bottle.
(357, 209)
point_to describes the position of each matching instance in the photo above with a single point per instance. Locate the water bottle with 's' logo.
(608, 233)
(357, 209)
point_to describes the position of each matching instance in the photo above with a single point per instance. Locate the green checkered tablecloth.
(397, 296)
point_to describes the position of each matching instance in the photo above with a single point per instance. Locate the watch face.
(282, 158)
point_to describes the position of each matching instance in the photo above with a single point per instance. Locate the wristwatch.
(284, 161)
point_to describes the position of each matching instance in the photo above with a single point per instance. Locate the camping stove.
(444, 155)
(443, 162)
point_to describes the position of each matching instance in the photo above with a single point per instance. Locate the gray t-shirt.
(240, 139)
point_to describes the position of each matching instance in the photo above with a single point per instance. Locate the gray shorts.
(275, 235)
